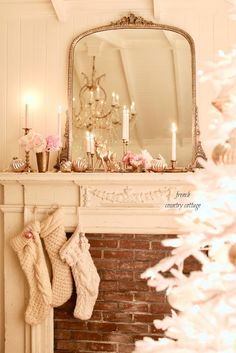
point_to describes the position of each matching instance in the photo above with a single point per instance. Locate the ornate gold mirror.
(137, 73)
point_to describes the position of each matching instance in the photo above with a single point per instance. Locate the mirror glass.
(148, 71)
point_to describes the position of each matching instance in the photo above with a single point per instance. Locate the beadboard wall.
(34, 53)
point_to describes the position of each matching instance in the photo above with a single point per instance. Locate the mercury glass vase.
(42, 161)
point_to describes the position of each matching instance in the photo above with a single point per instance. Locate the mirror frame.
(132, 21)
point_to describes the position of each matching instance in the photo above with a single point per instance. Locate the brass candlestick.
(92, 162)
(173, 164)
(89, 160)
(28, 168)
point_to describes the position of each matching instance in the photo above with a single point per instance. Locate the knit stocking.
(77, 255)
(53, 234)
(29, 250)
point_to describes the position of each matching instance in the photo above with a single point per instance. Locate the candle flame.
(173, 127)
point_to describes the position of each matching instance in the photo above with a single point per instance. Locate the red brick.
(191, 264)
(118, 296)
(104, 243)
(96, 316)
(150, 236)
(71, 325)
(62, 334)
(85, 336)
(119, 236)
(117, 317)
(116, 275)
(160, 308)
(141, 266)
(108, 254)
(126, 348)
(144, 318)
(133, 307)
(127, 265)
(108, 286)
(133, 285)
(132, 328)
(134, 244)
(71, 345)
(118, 338)
(149, 255)
(106, 306)
(101, 347)
(102, 326)
(96, 253)
(106, 264)
(157, 245)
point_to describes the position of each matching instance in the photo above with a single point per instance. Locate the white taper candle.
(173, 149)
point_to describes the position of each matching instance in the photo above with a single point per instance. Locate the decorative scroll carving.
(132, 19)
(128, 196)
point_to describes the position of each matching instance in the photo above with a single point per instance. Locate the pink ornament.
(28, 234)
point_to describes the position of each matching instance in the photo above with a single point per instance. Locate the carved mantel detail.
(128, 196)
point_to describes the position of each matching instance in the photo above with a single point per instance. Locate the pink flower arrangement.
(34, 141)
(138, 161)
(134, 160)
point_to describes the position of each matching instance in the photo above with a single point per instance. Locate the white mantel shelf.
(100, 202)
(96, 177)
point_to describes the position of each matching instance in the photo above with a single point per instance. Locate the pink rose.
(53, 143)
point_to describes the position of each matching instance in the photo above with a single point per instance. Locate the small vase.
(42, 161)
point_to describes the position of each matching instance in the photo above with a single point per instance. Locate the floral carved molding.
(94, 196)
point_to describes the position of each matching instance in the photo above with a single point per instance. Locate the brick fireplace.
(123, 217)
(126, 306)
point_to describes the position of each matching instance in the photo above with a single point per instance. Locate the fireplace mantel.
(138, 203)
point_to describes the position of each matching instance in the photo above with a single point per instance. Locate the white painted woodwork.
(34, 54)
(60, 8)
(100, 203)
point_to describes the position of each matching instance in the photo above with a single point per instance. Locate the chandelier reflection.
(95, 113)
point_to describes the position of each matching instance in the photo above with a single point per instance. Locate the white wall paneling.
(34, 55)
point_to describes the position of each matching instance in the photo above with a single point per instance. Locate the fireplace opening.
(126, 306)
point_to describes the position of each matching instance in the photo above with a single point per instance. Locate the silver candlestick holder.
(90, 158)
(125, 150)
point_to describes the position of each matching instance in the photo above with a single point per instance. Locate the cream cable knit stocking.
(77, 255)
(29, 250)
(53, 234)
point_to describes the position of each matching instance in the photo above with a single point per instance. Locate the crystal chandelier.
(94, 111)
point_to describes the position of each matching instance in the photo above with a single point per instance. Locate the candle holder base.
(173, 164)
(28, 168)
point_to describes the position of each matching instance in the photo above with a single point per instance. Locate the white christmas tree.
(203, 317)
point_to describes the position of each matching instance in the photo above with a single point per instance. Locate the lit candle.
(132, 108)
(117, 99)
(88, 148)
(26, 115)
(113, 100)
(173, 151)
(97, 93)
(127, 124)
(92, 144)
(91, 97)
(124, 122)
(59, 121)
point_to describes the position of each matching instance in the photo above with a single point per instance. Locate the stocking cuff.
(51, 222)
(24, 238)
(73, 248)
